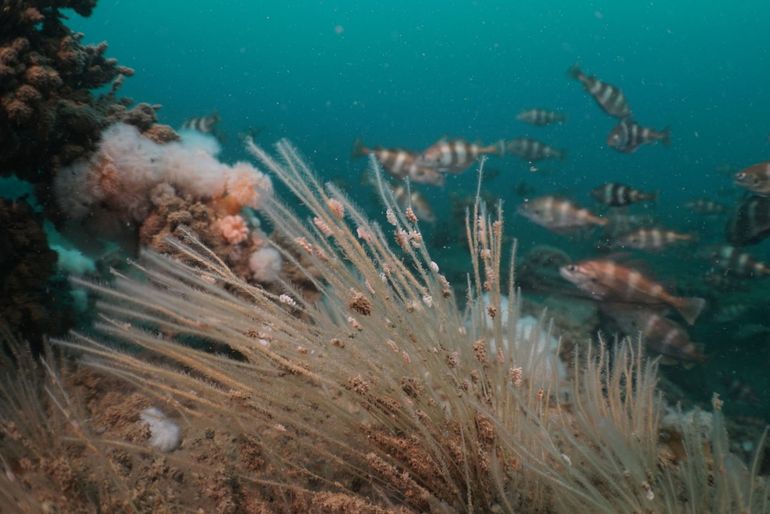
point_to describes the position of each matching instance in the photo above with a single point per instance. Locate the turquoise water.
(403, 74)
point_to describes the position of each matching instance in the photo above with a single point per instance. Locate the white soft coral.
(266, 264)
(127, 166)
(165, 435)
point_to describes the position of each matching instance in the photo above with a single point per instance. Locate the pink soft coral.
(233, 229)
(245, 187)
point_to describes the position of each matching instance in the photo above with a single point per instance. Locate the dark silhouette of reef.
(50, 116)
(49, 113)
(27, 266)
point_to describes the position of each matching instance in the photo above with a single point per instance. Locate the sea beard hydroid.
(386, 379)
(385, 391)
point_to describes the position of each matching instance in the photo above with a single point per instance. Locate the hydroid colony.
(385, 395)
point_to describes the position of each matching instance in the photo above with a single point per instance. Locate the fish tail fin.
(501, 147)
(574, 72)
(665, 136)
(652, 196)
(359, 150)
(214, 118)
(690, 308)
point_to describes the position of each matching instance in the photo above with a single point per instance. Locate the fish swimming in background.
(750, 223)
(416, 201)
(652, 239)
(660, 334)
(610, 98)
(723, 282)
(705, 206)
(401, 163)
(532, 150)
(540, 117)
(628, 136)
(755, 178)
(613, 194)
(558, 214)
(204, 124)
(455, 155)
(619, 223)
(607, 280)
(538, 269)
(735, 262)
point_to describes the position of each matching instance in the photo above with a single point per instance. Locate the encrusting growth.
(385, 395)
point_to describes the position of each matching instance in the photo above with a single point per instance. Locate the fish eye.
(740, 176)
(571, 267)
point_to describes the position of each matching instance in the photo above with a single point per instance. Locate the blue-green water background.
(403, 74)
(406, 73)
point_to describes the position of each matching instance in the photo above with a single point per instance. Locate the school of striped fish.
(627, 293)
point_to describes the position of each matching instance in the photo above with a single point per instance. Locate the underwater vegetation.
(385, 395)
(261, 339)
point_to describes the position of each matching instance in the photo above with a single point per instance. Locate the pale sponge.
(127, 166)
(165, 435)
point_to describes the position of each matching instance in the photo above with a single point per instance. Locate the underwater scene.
(384, 257)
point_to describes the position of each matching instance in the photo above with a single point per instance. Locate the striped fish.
(628, 136)
(401, 164)
(750, 223)
(705, 206)
(613, 194)
(204, 124)
(607, 280)
(735, 262)
(416, 201)
(609, 97)
(659, 333)
(558, 214)
(455, 155)
(532, 150)
(540, 117)
(723, 282)
(652, 239)
(755, 178)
